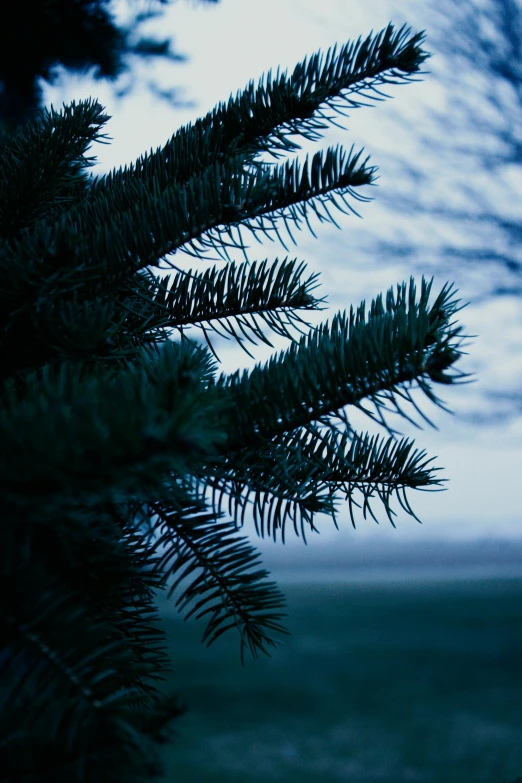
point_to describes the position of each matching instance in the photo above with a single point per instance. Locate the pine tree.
(127, 461)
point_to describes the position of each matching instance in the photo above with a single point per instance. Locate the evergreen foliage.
(127, 462)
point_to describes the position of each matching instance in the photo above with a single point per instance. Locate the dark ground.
(381, 681)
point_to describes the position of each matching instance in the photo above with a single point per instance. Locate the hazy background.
(448, 204)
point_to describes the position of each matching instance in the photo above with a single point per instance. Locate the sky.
(228, 44)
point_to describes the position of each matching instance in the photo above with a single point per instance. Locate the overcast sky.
(231, 42)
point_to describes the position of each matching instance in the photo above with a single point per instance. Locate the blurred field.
(380, 682)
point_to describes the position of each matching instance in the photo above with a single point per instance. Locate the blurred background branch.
(78, 35)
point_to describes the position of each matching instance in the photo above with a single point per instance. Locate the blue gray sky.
(231, 42)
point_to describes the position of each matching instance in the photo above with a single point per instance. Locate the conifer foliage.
(128, 462)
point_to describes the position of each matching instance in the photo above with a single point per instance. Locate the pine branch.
(264, 118)
(110, 237)
(304, 473)
(294, 190)
(42, 166)
(228, 301)
(225, 588)
(343, 363)
(357, 67)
